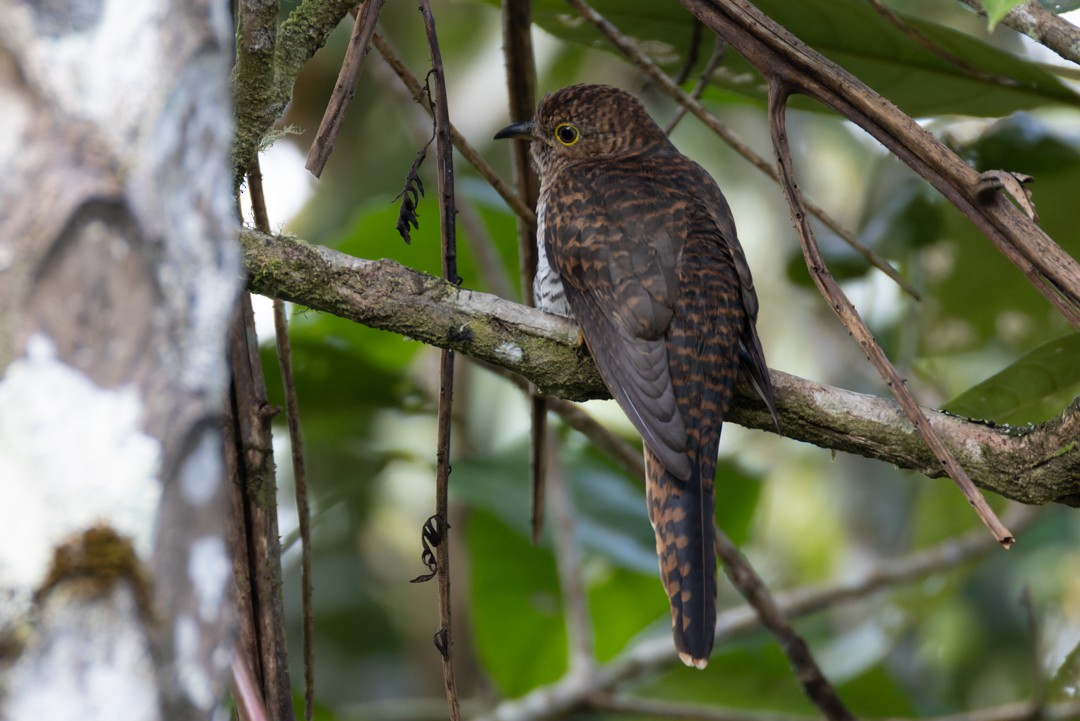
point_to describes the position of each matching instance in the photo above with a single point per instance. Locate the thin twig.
(517, 206)
(568, 564)
(692, 52)
(650, 655)
(719, 46)
(624, 454)
(303, 508)
(932, 47)
(292, 413)
(444, 150)
(849, 316)
(344, 88)
(1018, 711)
(521, 87)
(521, 91)
(745, 579)
(643, 61)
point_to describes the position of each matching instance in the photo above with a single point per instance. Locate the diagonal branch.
(780, 56)
(650, 655)
(460, 143)
(807, 671)
(1038, 465)
(344, 88)
(849, 316)
(685, 100)
(268, 63)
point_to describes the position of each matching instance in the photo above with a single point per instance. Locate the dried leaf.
(410, 194)
(1011, 183)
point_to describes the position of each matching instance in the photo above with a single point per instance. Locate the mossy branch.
(1036, 465)
(268, 61)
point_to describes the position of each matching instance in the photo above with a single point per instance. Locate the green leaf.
(624, 605)
(516, 610)
(1063, 683)
(849, 32)
(996, 10)
(741, 673)
(1050, 372)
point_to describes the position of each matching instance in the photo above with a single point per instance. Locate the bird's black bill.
(516, 130)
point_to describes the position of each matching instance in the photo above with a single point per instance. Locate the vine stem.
(444, 150)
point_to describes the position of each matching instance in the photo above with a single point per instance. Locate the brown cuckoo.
(637, 244)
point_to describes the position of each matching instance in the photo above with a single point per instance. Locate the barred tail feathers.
(681, 513)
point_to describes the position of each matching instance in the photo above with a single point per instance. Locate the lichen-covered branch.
(1037, 465)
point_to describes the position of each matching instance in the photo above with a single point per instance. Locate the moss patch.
(93, 562)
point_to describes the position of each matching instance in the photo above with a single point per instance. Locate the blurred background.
(957, 640)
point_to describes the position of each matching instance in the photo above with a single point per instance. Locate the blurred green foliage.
(981, 336)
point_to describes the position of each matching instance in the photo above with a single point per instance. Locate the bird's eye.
(567, 134)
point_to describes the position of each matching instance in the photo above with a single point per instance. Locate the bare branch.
(849, 316)
(344, 88)
(645, 657)
(780, 56)
(303, 508)
(807, 672)
(463, 146)
(1020, 711)
(635, 55)
(521, 87)
(444, 151)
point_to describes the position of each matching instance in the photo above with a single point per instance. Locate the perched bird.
(637, 244)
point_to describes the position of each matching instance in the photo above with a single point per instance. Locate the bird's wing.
(751, 355)
(703, 348)
(615, 244)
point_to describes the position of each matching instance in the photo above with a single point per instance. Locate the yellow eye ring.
(567, 134)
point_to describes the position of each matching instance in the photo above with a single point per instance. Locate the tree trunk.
(118, 272)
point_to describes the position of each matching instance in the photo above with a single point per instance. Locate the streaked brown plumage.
(637, 243)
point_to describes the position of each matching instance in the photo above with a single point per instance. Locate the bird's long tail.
(681, 513)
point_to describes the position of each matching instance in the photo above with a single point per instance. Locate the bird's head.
(584, 122)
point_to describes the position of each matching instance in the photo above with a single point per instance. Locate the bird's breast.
(548, 293)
